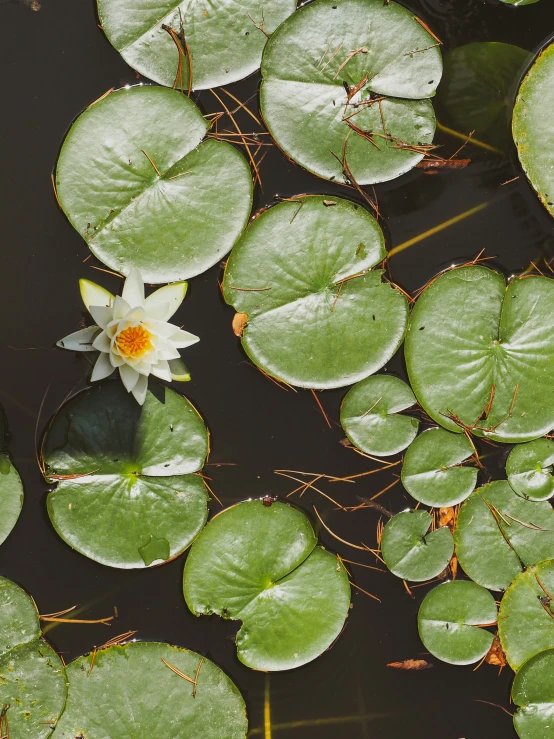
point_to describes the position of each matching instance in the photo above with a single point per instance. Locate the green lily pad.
(532, 131)
(451, 620)
(32, 677)
(318, 315)
(498, 533)
(361, 58)
(433, 473)
(533, 692)
(127, 496)
(370, 415)
(261, 565)
(11, 496)
(471, 339)
(136, 182)
(529, 469)
(225, 38)
(410, 552)
(526, 623)
(519, 2)
(130, 688)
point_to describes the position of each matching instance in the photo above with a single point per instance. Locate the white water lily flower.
(131, 332)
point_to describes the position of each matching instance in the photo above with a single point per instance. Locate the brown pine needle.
(151, 162)
(107, 271)
(488, 703)
(381, 492)
(314, 474)
(105, 621)
(196, 677)
(370, 472)
(105, 95)
(313, 392)
(211, 491)
(250, 289)
(310, 485)
(59, 613)
(178, 672)
(349, 56)
(343, 541)
(359, 564)
(56, 196)
(364, 591)
(426, 27)
(241, 105)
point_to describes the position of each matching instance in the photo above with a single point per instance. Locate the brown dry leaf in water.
(239, 322)
(447, 517)
(495, 655)
(411, 664)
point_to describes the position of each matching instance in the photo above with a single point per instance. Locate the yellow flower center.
(134, 341)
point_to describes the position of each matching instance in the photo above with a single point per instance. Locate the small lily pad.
(526, 623)
(261, 565)
(318, 315)
(433, 470)
(519, 2)
(11, 496)
(126, 495)
(451, 620)
(225, 39)
(370, 415)
(410, 552)
(350, 81)
(529, 469)
(533, 693)
(136, 181)
(498, 533)
(133, 687)
(32, 676)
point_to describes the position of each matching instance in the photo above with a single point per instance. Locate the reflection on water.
(55, 63)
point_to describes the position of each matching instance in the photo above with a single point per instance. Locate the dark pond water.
(54, 62)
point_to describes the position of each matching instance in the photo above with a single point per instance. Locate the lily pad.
(533, 692)
(482, 354)
(350, 81)
(526, 623)
(529, 469)
(11, 496)
(225, 38)
(136, 182)
(451, 620)
(519, 2)
(261, 565)
(410, 552)
(318, 315)
(498, 533)
(32, 677)
(133, 687)
(370, 415)
(126, 495)
(433, 473)
(533, 135)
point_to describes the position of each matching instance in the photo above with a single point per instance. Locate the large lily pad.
(531, 127)
(318, 315)
(261, 565)
(529, 469)
(361, 58)
(498, 533)
(526, 622)
(32, 677)
(136, 182)
(11, 496)
(484, 353)
(433, 470)
(370, 415)
(131, 688)
(533, 692)
(127, 496)
(225, 38)
(410, 552)
(451, 620)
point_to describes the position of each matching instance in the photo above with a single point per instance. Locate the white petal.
(120, 308)
(139, 391)
(161, 328)
(102, 342)
(103, 368)
(157, 312)
(168, 354)
(93, 294)
(133, 289)
(171, 296)
(101, 314)
(161, 370)
(80, 341)
(135, 315)
(181, 339)
(116, 360)
(129, 377)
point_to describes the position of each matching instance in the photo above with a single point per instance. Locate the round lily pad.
(533, 135)
(410, 552)
(480, 354)
(11, 496)
(529, 469)
(526, 623)
(225, 38)
(317, 315)
(127, 496)
(261, 565)
(134, 687)
(533, 693)
(433, 470)
(345, 89)
(451, 620)
(136, 182)
(519, 2)
(498, 533)
(32, 676)
(370, 415)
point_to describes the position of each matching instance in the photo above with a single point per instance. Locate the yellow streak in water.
(320, 722)
(267, 710)
(463, 137)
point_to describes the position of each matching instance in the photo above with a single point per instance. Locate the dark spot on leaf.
(421, 328)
